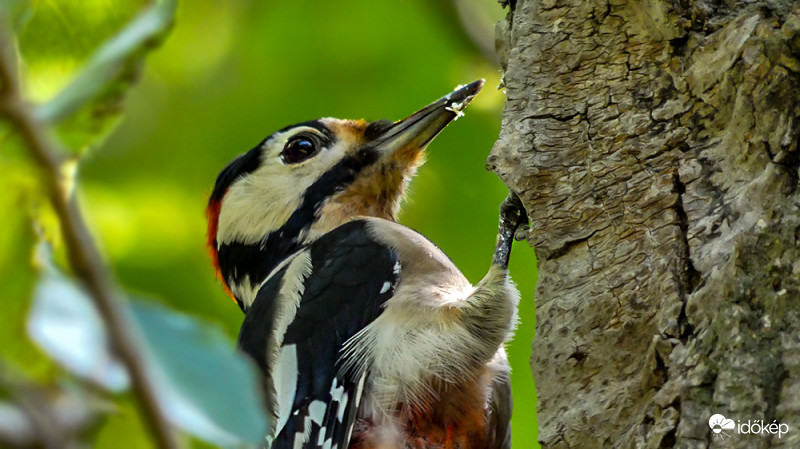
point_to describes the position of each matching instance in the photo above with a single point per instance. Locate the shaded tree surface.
(655, 147)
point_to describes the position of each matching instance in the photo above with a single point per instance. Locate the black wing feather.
(343, 294)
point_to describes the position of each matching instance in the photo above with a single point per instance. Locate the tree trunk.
(655, 147)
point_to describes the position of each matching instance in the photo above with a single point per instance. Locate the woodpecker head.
(307, 179)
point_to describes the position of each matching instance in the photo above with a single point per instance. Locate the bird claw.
(513, 215)
(522, 232)
(513, 218)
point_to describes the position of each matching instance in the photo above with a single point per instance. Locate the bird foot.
(513, 220)
(513, 215)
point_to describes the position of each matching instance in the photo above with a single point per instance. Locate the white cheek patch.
(257, 204)
(263, 201)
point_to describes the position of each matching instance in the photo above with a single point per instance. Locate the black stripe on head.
(257, 260)
(334, 180)
(242, 165)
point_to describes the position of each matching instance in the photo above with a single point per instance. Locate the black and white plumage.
(367, 334)
(353, 276)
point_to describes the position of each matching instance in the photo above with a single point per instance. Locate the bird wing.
(350, 278)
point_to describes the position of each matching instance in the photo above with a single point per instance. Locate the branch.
(82, 253)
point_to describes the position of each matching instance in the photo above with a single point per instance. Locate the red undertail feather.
(456, 421)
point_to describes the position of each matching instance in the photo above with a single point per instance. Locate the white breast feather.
(423, 335)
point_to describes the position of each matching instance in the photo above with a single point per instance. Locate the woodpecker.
(367, 334)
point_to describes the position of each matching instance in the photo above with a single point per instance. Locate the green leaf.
(204, 386)
(114, 62)
(60, 36)
(65, 323)
(80, 57)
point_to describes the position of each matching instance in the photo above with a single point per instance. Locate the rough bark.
(655, 146)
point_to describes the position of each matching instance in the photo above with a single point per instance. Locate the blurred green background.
(230, 73)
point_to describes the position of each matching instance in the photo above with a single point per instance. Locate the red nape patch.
(212, 213)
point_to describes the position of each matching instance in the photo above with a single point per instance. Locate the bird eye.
(298, 149)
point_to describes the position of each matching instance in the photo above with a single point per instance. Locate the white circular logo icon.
(718, 423)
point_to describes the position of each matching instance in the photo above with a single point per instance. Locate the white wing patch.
(339, 396)
(292, 287)
(282, 361)
(316, 411)
(285, 381)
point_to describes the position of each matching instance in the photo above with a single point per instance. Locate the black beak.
(418, 129)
